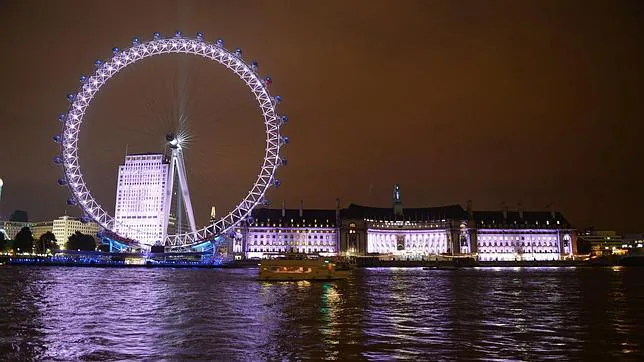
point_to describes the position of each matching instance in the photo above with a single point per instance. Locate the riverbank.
(360, 263)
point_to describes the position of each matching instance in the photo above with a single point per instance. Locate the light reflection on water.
(378, 314)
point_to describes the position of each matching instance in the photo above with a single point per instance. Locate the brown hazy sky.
(495, 101)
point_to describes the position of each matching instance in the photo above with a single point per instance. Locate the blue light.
(70, 97)
(98, 62)
(284, 119)
(135, 41)
(177, 34)
(254, 66)
(199, 35)
(58, 160)
(71, 201)
(285, 139)
(57, 138)
(115, 50)
(62, 182)
(238, 52)
(61, 117)
(278, 99)
(219, 42)
(83, 79)
(156, 35)
(277, 183)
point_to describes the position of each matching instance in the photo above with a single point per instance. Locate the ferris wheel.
(158, 45)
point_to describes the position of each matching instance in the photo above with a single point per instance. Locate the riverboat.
(301, 267)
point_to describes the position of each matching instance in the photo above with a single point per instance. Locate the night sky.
(516, 101)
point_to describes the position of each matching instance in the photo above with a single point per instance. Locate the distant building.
(522, 235)
(601, 242)
(11, 228)
(39, 228)
(140, 198)
(409, 233)
(279, 231)
(65, 226)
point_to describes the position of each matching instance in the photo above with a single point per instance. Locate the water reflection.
(379, 314)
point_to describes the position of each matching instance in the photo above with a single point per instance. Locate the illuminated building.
(279, 231)
(39, 228)
(65, 226)
(523, 235)
(601, 242)
(140, 198)
(409, 233)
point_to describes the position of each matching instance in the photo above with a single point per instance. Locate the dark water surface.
(63, 313)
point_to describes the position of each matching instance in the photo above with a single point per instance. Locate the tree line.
(24, 242)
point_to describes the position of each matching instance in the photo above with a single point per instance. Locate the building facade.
(65, 226)
(279, 231)
(408, 233)
(140, 198)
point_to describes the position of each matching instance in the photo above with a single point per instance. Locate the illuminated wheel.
(215, 51)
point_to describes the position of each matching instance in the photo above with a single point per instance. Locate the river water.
(66, 313)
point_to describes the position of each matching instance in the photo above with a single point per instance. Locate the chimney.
(520, 207)
(283, 208)
(505, 211)
(470, 213)
(301, 208)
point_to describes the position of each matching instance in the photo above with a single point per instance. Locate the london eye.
(215, 51)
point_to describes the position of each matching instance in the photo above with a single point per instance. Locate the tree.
(19, 215)
(46, 241)
(3, 240)
(24, 241)
(80, 241)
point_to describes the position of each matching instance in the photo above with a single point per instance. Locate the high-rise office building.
(140, 198)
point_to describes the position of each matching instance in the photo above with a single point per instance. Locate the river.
(68, 313)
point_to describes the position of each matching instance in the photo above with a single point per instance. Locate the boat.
(301, 267)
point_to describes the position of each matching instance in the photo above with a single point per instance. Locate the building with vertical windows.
(279, 231)
(403, 233)
(140, 198)
(65, 226)
(523, 235)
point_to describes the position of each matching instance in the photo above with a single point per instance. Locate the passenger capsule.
(199, 36)
(238, 53)
(58, 160)
(219, 42)
(70, 97)
(177, 34)
(84, 219)
(268, 81)
(278, 99)
(266, 202)
(57, 138)
(283, 161)
(277, 183)
(98, 62)
(83, 79)
(156, 36)
(62, 182)
(61, 117)
(136, 41)
(285, 140)
(250, 220)
(71, 201)
(115, 50)
(284, 119)
(254, 66)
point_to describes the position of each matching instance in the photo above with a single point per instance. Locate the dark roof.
(422, 213)
(515, 218)
(264, 214)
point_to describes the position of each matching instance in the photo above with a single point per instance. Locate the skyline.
(440, 98)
